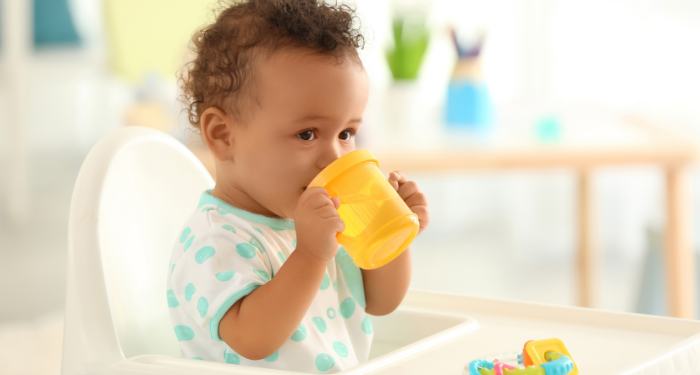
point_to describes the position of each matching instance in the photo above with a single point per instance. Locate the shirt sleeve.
(220, 267)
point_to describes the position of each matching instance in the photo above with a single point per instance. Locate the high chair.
(137, 187)
(134, 190)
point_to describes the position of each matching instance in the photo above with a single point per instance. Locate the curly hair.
(244, 31)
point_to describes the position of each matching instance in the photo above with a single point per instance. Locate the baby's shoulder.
(214, 224)
(211, 227)
(215, 220)
(255, 229)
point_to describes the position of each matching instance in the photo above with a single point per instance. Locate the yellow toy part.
(378, 223)
(538, 352)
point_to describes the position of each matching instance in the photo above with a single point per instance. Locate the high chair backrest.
(134, 192)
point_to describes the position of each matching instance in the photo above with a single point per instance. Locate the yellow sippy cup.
(378, 223)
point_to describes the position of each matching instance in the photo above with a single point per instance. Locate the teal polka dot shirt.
(222, 254)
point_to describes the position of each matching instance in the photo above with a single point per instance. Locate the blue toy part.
(548, 129)
(475, 365)
(558, 364)
(468, 105)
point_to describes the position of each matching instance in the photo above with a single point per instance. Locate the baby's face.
(308, 110)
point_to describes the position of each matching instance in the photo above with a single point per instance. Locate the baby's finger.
(416, 199)
(338, 224)
(327, 212)
(423, 216)
(336, 202)
(407, 189)
(402, 177)
(394, 180)
(311, 192)
(319, 201)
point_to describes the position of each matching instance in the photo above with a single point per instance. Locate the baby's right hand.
(317, 222)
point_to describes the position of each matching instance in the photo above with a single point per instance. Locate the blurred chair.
(135, 189)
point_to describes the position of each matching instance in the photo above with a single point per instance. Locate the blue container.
(468, 105)
(53, 24)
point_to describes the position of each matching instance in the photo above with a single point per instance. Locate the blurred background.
(469, 74)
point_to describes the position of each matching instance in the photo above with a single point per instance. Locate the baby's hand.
(415, 200)
(317, 222)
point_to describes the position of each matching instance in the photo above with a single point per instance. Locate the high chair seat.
(135, 189)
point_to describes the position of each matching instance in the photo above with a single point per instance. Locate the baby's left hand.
(415, 200)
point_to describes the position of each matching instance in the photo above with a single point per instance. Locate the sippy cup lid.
(342, 164)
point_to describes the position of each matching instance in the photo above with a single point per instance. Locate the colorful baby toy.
(541, 357)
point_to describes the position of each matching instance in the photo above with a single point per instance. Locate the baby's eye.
(307, 135)
(346, 134)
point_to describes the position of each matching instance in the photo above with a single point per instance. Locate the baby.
(257, 278)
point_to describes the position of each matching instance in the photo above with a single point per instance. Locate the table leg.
(679, 254)
(586, 255)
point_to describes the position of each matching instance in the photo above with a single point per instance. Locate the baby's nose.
(331, 155)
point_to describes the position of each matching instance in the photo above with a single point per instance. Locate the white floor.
(480, 259)
(32, 346)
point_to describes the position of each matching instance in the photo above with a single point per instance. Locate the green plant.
(410, 43)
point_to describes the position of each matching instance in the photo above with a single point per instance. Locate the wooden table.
(673, 152)
(661, 147)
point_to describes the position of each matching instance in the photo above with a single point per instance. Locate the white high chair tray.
(601, 342)
(438, 333)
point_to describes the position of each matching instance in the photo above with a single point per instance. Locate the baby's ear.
(217, 126)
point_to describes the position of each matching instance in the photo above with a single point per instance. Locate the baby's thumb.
(394, 180)
(336, 202)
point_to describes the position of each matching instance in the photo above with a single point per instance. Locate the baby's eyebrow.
(311, 118)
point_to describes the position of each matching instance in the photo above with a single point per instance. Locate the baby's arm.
(385, 287)
(260, 323)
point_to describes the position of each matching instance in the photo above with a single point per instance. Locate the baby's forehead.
(286, 58)
(296, 71)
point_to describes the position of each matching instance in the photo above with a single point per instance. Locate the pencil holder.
(378, 223)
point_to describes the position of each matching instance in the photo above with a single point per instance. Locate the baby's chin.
(283, 209)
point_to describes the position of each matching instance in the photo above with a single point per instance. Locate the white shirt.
(225, 253)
